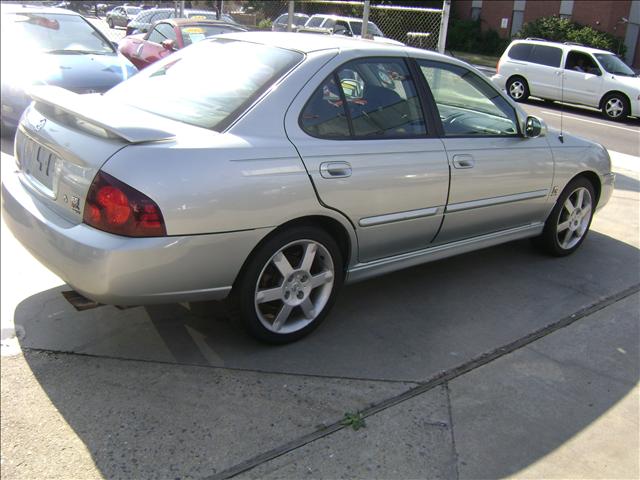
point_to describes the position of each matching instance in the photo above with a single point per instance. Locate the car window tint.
(520, 51)
(185, 88)
(581, 62)
(324, 115)
(315, 22)
(382, 99)
(161, 32)
(195, 33)
(468, 105)
(543, 55)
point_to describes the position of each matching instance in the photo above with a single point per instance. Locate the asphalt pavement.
(497, 363)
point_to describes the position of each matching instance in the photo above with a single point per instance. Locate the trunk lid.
(65, 138)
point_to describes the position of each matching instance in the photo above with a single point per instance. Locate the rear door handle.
(335, 169)
(463, 161)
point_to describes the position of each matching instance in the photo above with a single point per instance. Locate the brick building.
(618, 17)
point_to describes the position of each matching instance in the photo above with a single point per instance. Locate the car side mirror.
(169, 44)
(534, 127)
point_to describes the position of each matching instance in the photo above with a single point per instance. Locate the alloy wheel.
(614, 107)
(294, 286)
(516, 89)
(574, 218)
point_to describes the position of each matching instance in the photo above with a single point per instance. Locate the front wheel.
(569, 221)
(110, 22)
(289, 284)
(615, 107)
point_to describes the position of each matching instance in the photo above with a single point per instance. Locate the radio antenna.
(561, 137)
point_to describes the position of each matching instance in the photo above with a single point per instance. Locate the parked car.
(50, 46)
(280, 24)
(168, 36)
(144, 20)
(258, 175)
(571, 73)
(121, 16)
(347, 26)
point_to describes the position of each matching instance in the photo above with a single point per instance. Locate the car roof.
(339, 17)
(9, 8)
(181, 22)
(310, 42)
(573, 46)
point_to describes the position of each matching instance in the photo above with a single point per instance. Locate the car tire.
(288, 285)
(518, 89)
(615, 106)
(110, 22)
(569, 221)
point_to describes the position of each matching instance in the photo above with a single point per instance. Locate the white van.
(571, 73)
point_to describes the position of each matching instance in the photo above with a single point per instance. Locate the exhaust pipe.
(80, 302)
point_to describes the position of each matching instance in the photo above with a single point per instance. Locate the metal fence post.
(444, 22)
(290, 16)
(365, 19)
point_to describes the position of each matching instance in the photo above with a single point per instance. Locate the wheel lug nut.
(287, 295)
(304, 278)
(300, 295)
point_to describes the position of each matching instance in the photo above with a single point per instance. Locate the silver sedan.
(287, 166)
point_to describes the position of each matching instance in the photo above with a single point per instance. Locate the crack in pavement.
(454, 450)
(443, 378)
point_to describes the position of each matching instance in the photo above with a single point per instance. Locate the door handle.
(335, 169)
(463, 161)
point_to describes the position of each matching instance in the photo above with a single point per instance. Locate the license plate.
(38, 164)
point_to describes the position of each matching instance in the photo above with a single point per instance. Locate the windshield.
(372, 29)
(613, 64)
(201, 15)
(195, 33)
(53, 33)
(206, 94)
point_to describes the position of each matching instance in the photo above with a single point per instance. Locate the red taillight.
(115, 207)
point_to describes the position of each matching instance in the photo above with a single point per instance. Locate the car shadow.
(627, 183)
(410, 325)
(578, 110)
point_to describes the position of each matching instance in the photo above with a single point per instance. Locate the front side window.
(581, 62)
(543, 55)
(467, 105)
(207, 94)
(380, 97)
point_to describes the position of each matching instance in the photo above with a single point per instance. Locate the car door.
(361, 132)
(582, 82)
(544, 71)
(151, 50)
(499, 179)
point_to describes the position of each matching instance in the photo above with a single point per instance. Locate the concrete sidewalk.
(562, 406)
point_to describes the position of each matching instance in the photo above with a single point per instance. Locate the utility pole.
(365, 19)
(290, 17)
(444, 23)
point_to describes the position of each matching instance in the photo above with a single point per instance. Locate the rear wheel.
(110, 22)
(569, 221)
(289, 284)
(518, 89)
(615, 106)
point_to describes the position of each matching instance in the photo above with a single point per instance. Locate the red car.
(170, 35)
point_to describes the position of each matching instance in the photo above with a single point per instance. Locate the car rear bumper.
(117, 270)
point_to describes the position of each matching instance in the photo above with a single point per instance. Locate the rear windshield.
(51, 33)
(185, 88)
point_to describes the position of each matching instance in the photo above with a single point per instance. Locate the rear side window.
(380, 98)
(543, 55)
(315, 22)
(520, 51)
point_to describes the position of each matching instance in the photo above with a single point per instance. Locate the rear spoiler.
(119, 120)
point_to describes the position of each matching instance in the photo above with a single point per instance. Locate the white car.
(347, 26)
(569, 73)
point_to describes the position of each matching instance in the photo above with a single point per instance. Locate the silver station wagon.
(289, 165)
